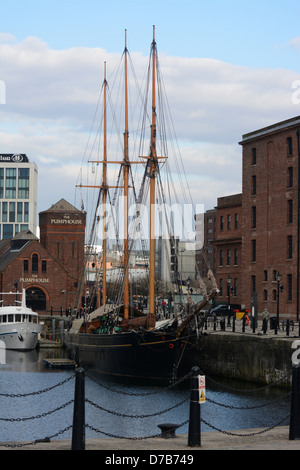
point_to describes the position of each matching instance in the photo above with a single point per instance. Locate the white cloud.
(7, 38)
(294, 43)
(51, 97)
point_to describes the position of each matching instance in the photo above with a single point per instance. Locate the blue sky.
(230, 67)
(252, 33)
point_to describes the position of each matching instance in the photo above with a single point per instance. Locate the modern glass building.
(18, 195)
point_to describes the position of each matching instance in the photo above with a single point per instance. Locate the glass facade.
(15, 204)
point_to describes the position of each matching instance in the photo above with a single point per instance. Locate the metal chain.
(129, 438)
(245, 435)
(135, 416)
(38, 416)
(156, 392)
(20, 395)
(37, 441)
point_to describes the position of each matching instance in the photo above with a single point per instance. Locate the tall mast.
(153, 163)
(126, 165)
(104, 189)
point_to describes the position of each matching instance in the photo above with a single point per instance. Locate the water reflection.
(25, 373)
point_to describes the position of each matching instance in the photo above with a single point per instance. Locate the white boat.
(19, 325)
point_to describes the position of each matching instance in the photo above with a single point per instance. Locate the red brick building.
(271, 217)
(48, 269)
(206, 257)
(228, 243)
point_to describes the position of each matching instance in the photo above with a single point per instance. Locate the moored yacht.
(19, 325)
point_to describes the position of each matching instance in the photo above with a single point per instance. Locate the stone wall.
(257, 359)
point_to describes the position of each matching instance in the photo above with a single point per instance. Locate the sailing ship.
(117, 339)
(19, 325)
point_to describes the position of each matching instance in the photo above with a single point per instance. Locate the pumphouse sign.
(66, 220)
(14, 157)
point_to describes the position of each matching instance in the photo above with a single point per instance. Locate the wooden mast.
(126, 166)
(153, 163)
(104, 189)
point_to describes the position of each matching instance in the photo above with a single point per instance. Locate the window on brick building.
(253, 217)
(290, 247)
(44, 266)
(229, 222)
(290, 211)
(253, 156)
(290, 174)
(289, 142)
(221, 223)
(228, 257)
(236, 257)
(265, 294)
(221, 287)
(35, 263)
(221, 257)
(236, 221)
(253, 185)
(25, 265)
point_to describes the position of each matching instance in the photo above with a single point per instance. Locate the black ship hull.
(156, 357)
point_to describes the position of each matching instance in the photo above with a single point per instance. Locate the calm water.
(26, 373)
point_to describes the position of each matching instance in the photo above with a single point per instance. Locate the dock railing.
(78, 425)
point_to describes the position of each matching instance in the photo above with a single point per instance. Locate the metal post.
(194, 435)
(295, 405)
(53, 329)
(62, 332)
(78, 434)
(244, 324)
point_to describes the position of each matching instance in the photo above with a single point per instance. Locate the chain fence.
(113, 390)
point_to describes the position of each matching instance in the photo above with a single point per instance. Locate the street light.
(278, 278)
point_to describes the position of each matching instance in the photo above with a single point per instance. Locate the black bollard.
(78, 433)
(295, 405)
(288, 327)
(194, 436)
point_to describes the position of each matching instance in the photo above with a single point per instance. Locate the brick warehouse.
(228, 244)
(48, 269)
(271, 188)
(257, 232)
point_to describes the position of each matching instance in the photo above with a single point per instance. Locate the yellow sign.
(202, 388)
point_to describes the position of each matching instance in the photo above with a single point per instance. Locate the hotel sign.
(14, 158)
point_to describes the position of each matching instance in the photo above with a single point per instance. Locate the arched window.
(35, 263)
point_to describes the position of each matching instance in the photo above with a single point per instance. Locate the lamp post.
(278, 277)
(228, 279)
